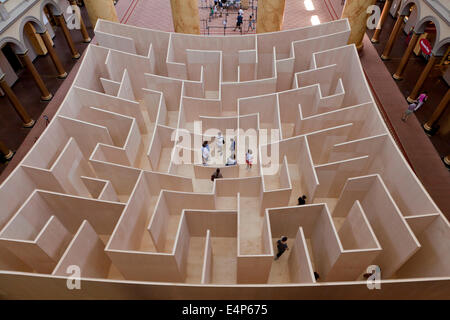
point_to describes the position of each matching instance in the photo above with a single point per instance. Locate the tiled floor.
(416, 146)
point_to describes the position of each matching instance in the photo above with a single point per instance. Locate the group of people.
(220, 5)
(240, 19)
(220, 141)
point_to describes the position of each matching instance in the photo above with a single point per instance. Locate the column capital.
(23, 53)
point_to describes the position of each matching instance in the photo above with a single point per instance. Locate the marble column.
(5, 151)
(26, 119)
(46, 95)
(270, 15)
(405, 59)
(83, 29)
(428, 126)
(356, 12)
(62, 74)
(67, 36)
(393, 37)
(185, 16)
(101, 9)
(384, 14)
(423, 76)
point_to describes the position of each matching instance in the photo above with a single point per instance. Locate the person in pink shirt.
(421, 99)
(413, 107)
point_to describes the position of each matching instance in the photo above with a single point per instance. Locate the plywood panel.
(87, 252)
(207, 260)
(300, 267)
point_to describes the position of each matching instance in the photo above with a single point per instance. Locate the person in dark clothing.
(302, 200)
(238, 23)
(216, 175)
(281, 246)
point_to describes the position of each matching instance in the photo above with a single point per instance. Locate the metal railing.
(245, 28)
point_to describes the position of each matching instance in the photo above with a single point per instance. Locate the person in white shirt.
(219, 142)
(205, 153)
(231, 161)
(249, 158)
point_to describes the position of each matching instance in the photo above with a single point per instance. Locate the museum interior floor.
(424, 154)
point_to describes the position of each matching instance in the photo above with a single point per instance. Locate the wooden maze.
(101, 189)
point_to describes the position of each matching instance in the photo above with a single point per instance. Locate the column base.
(446, 161)
(359, 47)
(62, 76)
(430, 130)
(77, 56)
(397, 77)
(9, 155)
(410, 100)
(87, 40)
(47, 98)
(384, 58)
(29, 124)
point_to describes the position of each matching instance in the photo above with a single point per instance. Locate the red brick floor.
(414, 143)
(153, 14)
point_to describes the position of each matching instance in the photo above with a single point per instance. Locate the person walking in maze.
(249, 159)
(216, 175)
(281, 246)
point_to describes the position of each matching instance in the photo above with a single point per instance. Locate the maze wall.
(103, 188)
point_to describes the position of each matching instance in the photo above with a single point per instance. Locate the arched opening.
(30, 36)
(9, 61)
(11, 57)
(428, 39)
(49, 10)
(411, 11)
